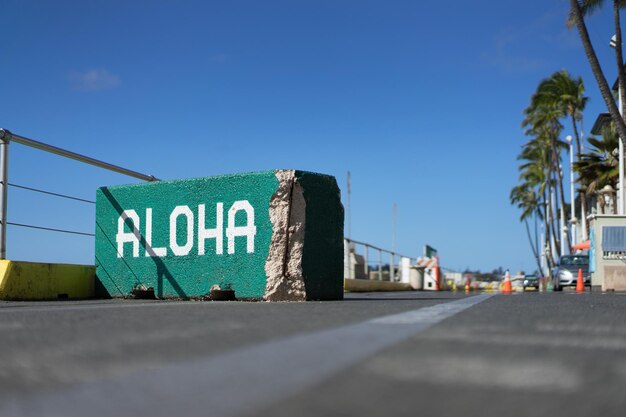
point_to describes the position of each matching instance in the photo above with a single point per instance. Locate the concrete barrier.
(43, 281)
(367, 285)
(274, 235)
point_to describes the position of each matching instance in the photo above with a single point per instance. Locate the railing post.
(350, 263)
(346, 258)
(380, 265)
(366, 267)
(4, 186)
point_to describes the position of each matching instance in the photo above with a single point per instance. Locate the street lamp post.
(620, 190)
(543, 262)
(572, 218)
(620, 206)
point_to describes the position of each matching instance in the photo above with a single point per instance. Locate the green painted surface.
(175, 266)
(322, 260)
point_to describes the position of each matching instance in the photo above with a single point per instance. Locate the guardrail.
(5, 138)
(371, 267)
(381, 265)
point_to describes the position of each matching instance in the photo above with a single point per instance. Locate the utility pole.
(392, 255)
(393, 228)
(349, 214)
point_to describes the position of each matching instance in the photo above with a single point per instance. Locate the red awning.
(582, 245)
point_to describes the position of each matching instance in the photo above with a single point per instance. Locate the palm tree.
(526, 199)
(578, 10)
(542, 121)
(541, 178)
(535, 174)
(567, 94)
(599, 166)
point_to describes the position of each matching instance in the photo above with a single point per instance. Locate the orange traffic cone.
(506, 286)
(580, 284)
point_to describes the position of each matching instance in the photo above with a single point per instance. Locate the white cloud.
(505, 54)
(93, 80)
(519, 48)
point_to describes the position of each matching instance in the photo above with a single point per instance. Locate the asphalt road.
(433, 354)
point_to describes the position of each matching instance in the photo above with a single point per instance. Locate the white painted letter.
(249, 230)
(181, 250)
(150, 251)
(217, 233)
(132, 237)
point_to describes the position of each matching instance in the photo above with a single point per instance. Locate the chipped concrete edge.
(283, 267)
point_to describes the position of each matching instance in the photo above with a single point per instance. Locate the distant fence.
(365, 261)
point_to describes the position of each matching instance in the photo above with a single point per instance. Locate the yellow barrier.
(40, 281)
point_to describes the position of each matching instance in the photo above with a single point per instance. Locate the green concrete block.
(274, 235)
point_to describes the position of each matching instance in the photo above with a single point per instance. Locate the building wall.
(610, 271)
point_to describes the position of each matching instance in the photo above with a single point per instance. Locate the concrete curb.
(365, 285)
(23, 281)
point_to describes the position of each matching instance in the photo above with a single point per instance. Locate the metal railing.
(5, 138)
(365, 261)
(614, 255)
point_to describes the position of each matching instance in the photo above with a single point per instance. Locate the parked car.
(566, 272)
(531, 281)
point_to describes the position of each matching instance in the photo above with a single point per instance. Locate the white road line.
(240, 381)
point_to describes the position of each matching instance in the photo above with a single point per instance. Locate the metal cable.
(51, 193)
(50, 229)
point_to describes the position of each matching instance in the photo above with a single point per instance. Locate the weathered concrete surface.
(274, 235)
(285, 279)
(43, 281)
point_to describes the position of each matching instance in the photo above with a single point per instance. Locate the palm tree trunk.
(555, 244)
(583, 215)
(546, 226)
(559, 181)
(605, 90)
(556, 247)
(537, 238)
(576, 135)
(583, 198)
(583, 194)
(562, 194)
(621, 78)
(532, 244)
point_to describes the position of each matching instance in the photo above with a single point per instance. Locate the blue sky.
(421, 101)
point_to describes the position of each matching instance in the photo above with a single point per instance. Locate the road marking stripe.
(240, 381)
